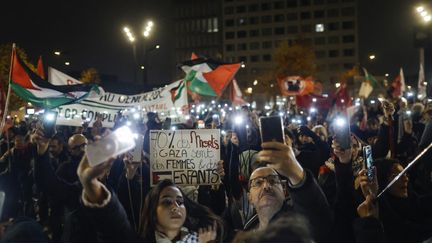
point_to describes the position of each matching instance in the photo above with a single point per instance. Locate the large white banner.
(168, 101)
(187, 157)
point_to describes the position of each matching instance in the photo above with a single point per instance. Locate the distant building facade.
(197, 28)
(250, 30)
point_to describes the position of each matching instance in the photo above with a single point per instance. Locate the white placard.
(188, 157)
(164, 101)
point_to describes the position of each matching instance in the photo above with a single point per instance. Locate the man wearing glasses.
(267, 193)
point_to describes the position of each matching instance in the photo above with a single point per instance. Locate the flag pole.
(9, 89)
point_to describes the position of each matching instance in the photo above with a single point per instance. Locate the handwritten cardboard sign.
(188, 157)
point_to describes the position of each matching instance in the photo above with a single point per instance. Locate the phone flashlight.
(49, 116)
(340, 122)
(408, 112)
(123, 134)
(238, 120)
(136, 116)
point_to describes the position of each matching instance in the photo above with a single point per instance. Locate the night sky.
(90, 35)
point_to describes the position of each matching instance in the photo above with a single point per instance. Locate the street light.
(131, 37)
(424, 13)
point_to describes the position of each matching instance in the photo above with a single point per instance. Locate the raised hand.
(344, 155)
(131, 167)
(88, 177)
(368, 188)
(40, 140)
(281, 157)
(207, 234)
(368, 208)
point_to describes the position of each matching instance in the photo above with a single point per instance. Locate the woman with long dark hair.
(168, 215)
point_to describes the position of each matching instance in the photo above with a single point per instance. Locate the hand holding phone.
(49, 122)
(166, 124)
(368, 162)
(271, 129)
(342, 132)
(116, 143)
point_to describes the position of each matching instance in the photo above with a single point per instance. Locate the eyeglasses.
(259, 181)
(78, 146)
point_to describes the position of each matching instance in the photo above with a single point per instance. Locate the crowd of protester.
(307, 189)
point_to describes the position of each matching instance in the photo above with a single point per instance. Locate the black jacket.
(308, 200)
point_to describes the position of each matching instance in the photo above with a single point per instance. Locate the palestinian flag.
(161, 175)
(32, 88)
(208, 77)
(176, 92)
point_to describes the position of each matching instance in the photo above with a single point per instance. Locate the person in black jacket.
(406, 216)
(267, 194)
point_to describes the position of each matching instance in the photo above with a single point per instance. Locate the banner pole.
(6, 110)
(404, 170)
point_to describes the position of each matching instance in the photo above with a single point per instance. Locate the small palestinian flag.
(207, 76)
(32, 88)
(177, 91)
(161, 175)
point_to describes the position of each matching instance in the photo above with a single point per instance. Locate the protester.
(267, 193)
(168, 213)
(264, 191)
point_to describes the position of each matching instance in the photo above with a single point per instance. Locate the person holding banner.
(168, 215)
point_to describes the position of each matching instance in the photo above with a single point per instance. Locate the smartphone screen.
(49, 122)
(342, 132)
(271, 129)
(167, 124)
(216, 120)
(2, 200)
(367, 156)
(115, 143)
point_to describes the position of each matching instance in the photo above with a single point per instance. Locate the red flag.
(236, 94)
(318, 101)
(40, 68)
(221, 76)
(194, 56)
(341, 97)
